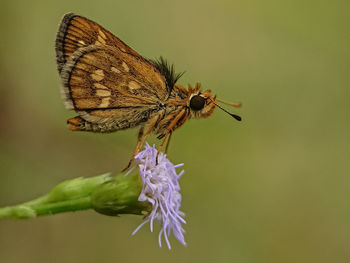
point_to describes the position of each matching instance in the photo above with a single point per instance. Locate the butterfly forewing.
(105, 84)
(104, 80)
(77, 31)
(94, 73)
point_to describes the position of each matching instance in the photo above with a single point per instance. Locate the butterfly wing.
(105, 85)
(104, 80)
(76, 32)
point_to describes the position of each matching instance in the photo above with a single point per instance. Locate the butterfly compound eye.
(197, 103)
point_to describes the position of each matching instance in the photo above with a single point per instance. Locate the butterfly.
(112, 87)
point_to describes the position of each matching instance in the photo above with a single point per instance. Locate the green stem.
(106, 195)
(24, 211)
(64, 206)
(70, 195)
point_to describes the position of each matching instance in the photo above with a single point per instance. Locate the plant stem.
(106, 195)
(64, 206)
(68, 196)
(29, 211)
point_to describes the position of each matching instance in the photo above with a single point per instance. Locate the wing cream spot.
(101, 34)
(103, 93)
(99, 72)
(100, 86)
(100, 40)
(82, 66)
(81, 42)
(98, 75)
(125, 66)
(104, 103)
(115, 70)
(133, 85)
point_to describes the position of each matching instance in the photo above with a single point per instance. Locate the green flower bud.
(119, 196)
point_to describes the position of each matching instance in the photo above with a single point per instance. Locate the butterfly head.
(203, 104)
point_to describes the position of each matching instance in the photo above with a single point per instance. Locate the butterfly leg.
(170, 131)
(168, 135)
(161, 145)
(144, 132)
(139, 137)
(138, 146)
(167, 144)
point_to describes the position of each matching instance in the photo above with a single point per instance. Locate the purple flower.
(161, 188)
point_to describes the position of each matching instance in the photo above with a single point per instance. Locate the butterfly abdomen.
(79, 124)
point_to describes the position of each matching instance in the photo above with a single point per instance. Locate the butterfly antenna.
(238, 118)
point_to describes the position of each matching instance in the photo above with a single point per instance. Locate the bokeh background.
(273, 188)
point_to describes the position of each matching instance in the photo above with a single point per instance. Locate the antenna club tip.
(238, 118)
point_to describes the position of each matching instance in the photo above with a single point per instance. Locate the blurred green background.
(274, 188)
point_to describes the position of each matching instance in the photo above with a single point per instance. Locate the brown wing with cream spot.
(97, 79)
(77, 31)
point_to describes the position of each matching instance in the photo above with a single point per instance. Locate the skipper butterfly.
(111, 87)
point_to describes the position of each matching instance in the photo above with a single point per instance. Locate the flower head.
(162, 190)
